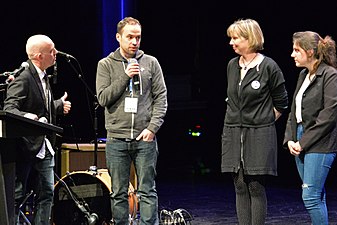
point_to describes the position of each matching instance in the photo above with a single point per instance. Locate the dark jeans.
(36, 175)
(119, 156)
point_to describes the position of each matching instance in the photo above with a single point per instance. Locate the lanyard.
(130, 87)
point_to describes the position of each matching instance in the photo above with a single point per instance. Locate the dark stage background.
(189, 39)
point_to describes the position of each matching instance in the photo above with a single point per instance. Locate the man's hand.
(31, 116)
(146, 135)
(66, 104)
(132, 69)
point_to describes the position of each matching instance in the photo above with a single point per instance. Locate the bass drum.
(92, 188)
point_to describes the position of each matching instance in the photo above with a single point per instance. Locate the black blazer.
(319, 112)
(25, 95)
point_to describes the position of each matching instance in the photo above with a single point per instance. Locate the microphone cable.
(91, 218)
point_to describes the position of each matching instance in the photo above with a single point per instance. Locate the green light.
(195, 134)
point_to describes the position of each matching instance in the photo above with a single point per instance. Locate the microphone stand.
(3, 86)
(3, 90)
(96, 105)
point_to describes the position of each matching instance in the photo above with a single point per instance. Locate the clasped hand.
(294, 148)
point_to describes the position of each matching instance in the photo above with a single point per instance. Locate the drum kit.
(83, 198)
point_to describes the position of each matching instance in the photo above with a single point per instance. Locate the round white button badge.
(255, 84)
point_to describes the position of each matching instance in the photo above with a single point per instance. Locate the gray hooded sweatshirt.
(112, 86)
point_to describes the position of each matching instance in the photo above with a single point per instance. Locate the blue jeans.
(313, 169)
(119, 156)
(37, 174)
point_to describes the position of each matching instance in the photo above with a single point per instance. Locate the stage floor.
(212, 201)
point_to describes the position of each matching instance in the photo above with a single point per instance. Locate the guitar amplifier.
(79, 157)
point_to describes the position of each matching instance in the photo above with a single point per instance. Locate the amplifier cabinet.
(79, 157)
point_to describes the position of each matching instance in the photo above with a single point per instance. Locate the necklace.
(246, 65)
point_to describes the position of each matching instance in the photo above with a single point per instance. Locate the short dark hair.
(124, 22)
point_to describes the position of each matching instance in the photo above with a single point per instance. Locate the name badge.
(131, 105)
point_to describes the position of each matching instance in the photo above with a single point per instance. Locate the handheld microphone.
(135, 78)
(17, 72)
(64, 54)
(54, 75)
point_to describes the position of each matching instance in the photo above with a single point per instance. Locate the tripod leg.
(24, 218)
(21, 213)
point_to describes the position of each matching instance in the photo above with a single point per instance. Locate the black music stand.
(13, 126)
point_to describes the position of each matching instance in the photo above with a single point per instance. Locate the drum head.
(86, 187)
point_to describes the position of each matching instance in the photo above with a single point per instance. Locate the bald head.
(41, 51)
(36, 44)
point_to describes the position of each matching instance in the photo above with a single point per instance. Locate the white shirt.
(298, 99)
(46, 144)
